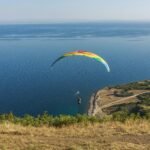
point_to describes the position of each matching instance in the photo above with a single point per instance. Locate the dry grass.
(105, 136)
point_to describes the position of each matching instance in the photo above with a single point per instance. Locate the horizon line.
(76, 21)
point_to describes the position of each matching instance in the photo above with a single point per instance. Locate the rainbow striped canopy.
(86, 54)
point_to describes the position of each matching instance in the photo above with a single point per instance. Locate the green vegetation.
(144, 99)
(48, 120)
(124, 115)
(144, 104)
(139, 112)
(123, 93)
(64, 120)
(144, 85)
(137, 109)
(133, 110)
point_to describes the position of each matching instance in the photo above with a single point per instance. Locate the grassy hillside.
(114, 135)
(80, 132)
(132, 98)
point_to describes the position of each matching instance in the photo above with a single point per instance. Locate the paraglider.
(79, 100)
(86, 54)
(78, 97)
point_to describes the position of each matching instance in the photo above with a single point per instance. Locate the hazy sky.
(30, 11)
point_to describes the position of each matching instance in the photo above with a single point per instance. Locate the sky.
(47, 11)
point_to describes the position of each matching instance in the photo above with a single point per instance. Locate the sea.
(28, 84)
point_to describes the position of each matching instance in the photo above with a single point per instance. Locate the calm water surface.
(29, 85)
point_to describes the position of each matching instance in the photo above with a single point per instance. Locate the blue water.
(29, 85)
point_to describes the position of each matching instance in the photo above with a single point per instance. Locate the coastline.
(92, 109)
(92, 103)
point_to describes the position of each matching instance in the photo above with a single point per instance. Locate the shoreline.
(92, 105)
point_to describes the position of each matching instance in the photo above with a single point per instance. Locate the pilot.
(79, 100)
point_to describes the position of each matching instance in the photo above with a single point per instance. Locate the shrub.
(144, 98)
(120, 116)
(65, 120)
(122, 93)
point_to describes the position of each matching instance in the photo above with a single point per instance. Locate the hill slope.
(133, 135)
(132, 97)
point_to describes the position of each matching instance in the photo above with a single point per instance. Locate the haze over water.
(29, 85)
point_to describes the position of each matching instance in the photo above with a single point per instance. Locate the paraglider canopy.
(86, 54)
